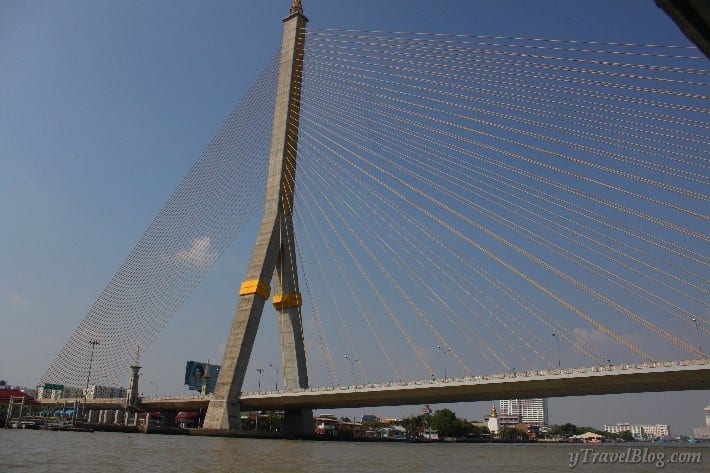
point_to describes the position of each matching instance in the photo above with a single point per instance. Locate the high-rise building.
(704, 432)
(531, 411)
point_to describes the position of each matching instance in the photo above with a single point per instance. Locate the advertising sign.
(196, 375)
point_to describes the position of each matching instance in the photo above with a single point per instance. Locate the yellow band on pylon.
(282, 301)
(255, 286)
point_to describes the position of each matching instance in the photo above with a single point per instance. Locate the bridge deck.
(650, 377)
(562, 383)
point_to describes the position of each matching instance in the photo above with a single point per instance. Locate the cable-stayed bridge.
(457, 205)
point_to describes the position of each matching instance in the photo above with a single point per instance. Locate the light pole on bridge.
(697, 331)
(260, 371)
(352, 366)
(444, 352)
(557, 340)
(276, 382)
(93, 344)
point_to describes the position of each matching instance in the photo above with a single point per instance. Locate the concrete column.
(120, 417)
(132, 392)
(273, 253)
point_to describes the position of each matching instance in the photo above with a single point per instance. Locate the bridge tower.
(273, 256)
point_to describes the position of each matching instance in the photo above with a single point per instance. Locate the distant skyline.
(104, 106)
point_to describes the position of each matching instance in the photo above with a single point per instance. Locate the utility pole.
(93, 344)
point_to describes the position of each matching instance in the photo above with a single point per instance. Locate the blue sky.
(104, 106)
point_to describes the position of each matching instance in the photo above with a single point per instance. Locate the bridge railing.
(514, 374)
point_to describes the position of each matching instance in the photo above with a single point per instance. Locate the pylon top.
(296, 7)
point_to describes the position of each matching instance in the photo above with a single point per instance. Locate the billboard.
(195, 375)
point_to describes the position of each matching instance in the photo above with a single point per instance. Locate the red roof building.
(6, 394)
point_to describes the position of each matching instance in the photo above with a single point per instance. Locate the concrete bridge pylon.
(273, 258)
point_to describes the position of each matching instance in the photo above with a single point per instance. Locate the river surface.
(45, 451)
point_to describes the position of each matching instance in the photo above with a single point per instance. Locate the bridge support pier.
(298, 422)
(274, 256)
(167, 418)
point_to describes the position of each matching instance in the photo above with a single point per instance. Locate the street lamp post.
(557, 340)
(91, 360)
(444, 352)
(352, 366)
(276, 382)
(156, 387)
(93, 344)
(260, 371)
(697, 330)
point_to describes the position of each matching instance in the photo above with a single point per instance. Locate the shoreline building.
(529, 411)
(704, 432)
(640, 431)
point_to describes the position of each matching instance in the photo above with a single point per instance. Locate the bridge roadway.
(615, 379)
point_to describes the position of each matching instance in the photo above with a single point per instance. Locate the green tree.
(446, 424)
(626, 436)
(373, 424)
(479, 430)
(273, 422)
(412, 424)
(585, 429)
(565, 430)
(464, 428)
(512, 435)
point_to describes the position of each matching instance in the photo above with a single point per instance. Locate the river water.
(45, 451)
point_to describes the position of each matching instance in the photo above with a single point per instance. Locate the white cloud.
(593, 337)
(16, 300)
(199, 253)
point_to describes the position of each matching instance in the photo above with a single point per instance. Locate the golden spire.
(296, 7)
(494, 414)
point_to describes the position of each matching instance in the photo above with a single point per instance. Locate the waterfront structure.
(7, 394)
(640, 431)
(327, 425)
(531, 411)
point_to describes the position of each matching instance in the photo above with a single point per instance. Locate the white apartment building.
(640, 431)
(531, 411)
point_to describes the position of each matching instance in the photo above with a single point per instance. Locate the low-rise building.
(640, 431)
(330, 426)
